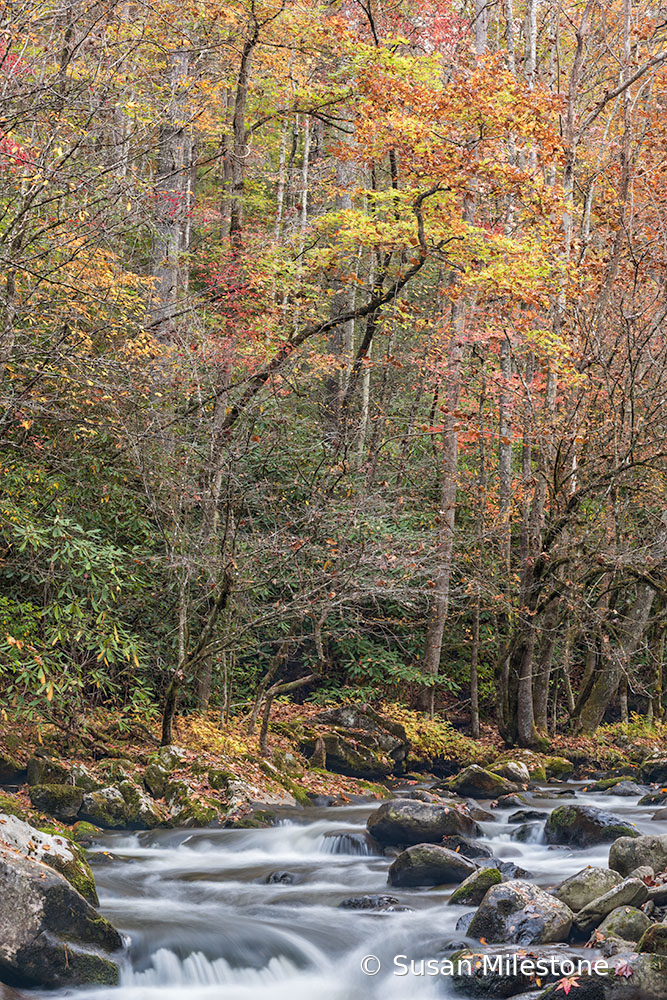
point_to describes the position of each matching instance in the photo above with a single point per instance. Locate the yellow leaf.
(49, 692)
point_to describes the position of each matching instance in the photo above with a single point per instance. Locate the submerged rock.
(579, 890)
(520, 913)
(410, 822)
(369, 903)
(49, 935)
(429, 864)
(583, 826)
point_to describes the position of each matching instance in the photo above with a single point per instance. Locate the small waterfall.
(355, 844)
(167, 969)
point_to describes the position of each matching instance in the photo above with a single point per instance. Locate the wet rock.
(281, 878)
(407, 822)
(644, 977)
(583, 826)
(429, 864)
(654, 940)
(528, 833)
(84, 833)
(61, 801)
(468, 848)
(418, 794)
(369, 903)
(520, 913)
(506, 868)
(656, 798)
(579, 890)
(629, 892)
(464, 922)
(627, 853)
(49, 935)
(51, 849)
(512, 801)
(660, 815)
(618, 786)
(527, 815)
(12, 772)
(625, 922)
(474, 888)
(479, 783)
(480, 815)
(45, 771)
(351, 842)
(654, 772)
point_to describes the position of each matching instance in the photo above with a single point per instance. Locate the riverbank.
(225, 774)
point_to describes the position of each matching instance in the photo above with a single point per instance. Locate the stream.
(203, 922)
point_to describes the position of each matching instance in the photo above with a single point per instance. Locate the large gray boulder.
(358, 742)
(521, 913)
(587, 885)
(499, 978)
(625, 922)
(584, 826)
(429, 864)
(51, 849)
(49, 935)
(479, 783)
(405, 821)
(626, 854)
(61, 801)
(629, 892)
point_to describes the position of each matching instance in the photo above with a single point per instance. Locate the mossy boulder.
(629, 892)
(474, 888)
(429, 864)
(654, 772)
(189, 810)
(61, 801)
(584, 826)
(83, 778)
(479, 783)
(219, 778)
(105, 807)
(625, 922)
(50, 936)
(514, 770)
(405, 822)
(156, 778)
(654, 940)
(142, 813)
(46, 771)
(558, 767)
(51, 848)
(12, 772)
(84, 833)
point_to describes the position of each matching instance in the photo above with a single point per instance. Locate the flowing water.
(203, 922)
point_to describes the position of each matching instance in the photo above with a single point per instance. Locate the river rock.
(627, 853)
(583, 826)
(408, 822)
(84, 778)
(528, 833)
(468, 848)
(514, 770)
(579, 890)
(281, 878)
(479, 783)
(629, 892)
(54, 850)
(369, 903)
(503, 978)
(654, 772)
(358, 742)
(506, 868)
(559, 768)
(660, 815)
(429, 864)
(625, 922)
(156, 778)
(653, 798)
(61, 801)
(643, 977)
(474, 888)
(527, 815)
(521, 913)
(12, 772)
(106, 808)
(141, 812)
(49, 935)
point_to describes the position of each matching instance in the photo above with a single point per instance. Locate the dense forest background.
(333, 358)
